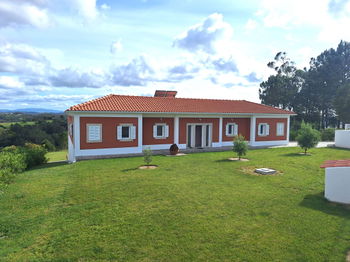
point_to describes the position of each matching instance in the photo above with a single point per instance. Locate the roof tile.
(122, 103)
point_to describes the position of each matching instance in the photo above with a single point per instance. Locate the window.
(126, 132)
(94, 133)
(160, 131)
(263, 129)
(280, 129)
(231, 129)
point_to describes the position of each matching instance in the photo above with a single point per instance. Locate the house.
(118, 124)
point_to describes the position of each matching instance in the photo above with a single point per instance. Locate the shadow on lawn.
(50, 165)
(299, 154)
(318, 202)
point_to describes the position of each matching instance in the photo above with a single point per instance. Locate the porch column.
(139, 133)
(220, 131)
(288, 128)
(252, 130)
(176, 130)
(76, 135)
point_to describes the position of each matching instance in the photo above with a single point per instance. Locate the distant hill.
(31, 111)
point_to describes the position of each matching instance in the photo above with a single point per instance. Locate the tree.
(281, 89)
(147, 156)
(307, 137)
(328, 71)
(240, 146)
(342, 103)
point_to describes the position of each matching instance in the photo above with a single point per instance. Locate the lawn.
(57, 156)
(197, 207)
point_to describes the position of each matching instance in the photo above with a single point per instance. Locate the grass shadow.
(129, 169)
(299, 154)
(320, 203)
(224, 160)
(50, 165)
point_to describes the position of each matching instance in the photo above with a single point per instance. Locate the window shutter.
(119, 132)
(226, 133)
(267, 129)
(133, 132)
(166, 131)
(155, 131)
(235, 130)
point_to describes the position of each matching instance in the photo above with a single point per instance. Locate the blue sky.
(54, 54)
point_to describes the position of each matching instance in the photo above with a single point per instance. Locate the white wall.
(342, 138)
(337, 184)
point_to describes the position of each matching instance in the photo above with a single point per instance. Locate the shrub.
(11, 163)
(34, 154)
(328, 134)
(240, 146)
(147, 156)
(307, 137)
(48, 145)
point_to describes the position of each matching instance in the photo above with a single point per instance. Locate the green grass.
(57, 156)
(198, 207)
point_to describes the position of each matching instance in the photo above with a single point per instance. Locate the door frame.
(204, 134)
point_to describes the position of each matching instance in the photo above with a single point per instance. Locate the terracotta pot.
(174, 149)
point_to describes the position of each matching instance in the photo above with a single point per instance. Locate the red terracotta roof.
(336, 163)
(121, 103)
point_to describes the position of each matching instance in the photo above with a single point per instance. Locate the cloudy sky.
(56, 53)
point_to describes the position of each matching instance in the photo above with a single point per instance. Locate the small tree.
(147, 156)
(307, 137)
(240, 146)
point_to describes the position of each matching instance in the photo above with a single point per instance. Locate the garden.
(198, 207)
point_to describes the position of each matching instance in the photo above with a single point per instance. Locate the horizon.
(55, 54)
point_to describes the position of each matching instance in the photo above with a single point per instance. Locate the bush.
(48, 145)
(307, 137)
(11, 163)
(293, 135)
(147, 156)
(328, 134)
(240, 146)
(34, 154)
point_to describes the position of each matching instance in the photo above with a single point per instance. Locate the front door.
(198, 136)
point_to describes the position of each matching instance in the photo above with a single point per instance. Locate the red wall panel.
(109, 132)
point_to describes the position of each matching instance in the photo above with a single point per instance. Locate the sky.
(57, 53)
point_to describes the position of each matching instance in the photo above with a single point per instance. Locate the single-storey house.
(119, 124)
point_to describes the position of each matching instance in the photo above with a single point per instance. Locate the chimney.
(165, 93)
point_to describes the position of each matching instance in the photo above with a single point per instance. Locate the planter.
(174, 149)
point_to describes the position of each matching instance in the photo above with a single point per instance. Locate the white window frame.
(234, 129)
(132, 132)
(165, 131)
(88, 133)
(279, 129)
(266, 131)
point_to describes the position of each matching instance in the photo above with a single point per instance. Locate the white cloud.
(8, 82)
(74, 78)
(22, 59)
(136, 73)
(330, 18)
(14, 13)
(251, 24)
(86, 8)
(38, 13)
(105, 7)
(207, 36)
(116, 46)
